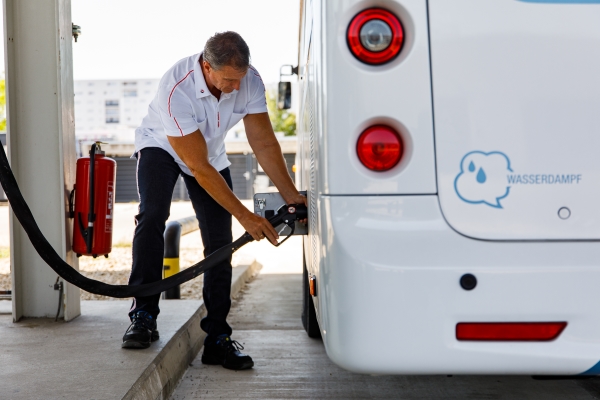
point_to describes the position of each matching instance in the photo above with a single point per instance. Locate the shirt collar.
(228, 95)
(201, 87)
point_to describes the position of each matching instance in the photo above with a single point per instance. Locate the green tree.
(282, 120)
(2, 105)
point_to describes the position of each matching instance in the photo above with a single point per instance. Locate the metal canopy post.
(41, 144)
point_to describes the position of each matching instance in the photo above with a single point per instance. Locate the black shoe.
(141, 332)
(226, 352)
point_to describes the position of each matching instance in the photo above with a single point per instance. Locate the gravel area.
(116, 269)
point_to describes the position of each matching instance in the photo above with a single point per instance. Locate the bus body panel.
(387, 259)
(390, 296)
(516, 91)
(311, 131)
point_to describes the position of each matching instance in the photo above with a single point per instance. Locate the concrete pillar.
(41, 144)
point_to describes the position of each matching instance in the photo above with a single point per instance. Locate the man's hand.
(298, 199)
(259, 227)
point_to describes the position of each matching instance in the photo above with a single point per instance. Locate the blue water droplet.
(471, 167)
(481, 178)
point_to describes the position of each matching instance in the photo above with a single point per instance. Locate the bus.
(451, 154)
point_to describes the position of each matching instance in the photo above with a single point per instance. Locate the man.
(199, 99)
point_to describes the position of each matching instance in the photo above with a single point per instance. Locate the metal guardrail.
(173, 232)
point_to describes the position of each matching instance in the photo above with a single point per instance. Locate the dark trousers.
(157, 174)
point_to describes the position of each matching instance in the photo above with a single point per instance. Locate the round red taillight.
(379, 148)
(375, 36)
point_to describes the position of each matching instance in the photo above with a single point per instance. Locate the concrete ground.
(288, 364)
(83, 359)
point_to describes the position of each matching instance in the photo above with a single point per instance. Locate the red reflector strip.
(505, 331)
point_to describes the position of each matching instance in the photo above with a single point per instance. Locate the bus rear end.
(477, 251)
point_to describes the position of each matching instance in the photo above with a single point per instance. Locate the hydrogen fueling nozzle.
(269, 205)
(286, 216)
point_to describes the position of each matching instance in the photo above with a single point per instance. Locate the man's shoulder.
(181, 70)
(253, 77)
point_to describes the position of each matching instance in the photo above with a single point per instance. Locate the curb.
(160, 378)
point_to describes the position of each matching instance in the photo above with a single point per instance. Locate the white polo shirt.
(183, 104)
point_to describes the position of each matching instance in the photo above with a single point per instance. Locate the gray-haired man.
(199, 99)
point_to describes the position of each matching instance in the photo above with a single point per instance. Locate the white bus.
(451, 154)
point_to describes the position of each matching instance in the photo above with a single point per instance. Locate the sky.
(128, 39)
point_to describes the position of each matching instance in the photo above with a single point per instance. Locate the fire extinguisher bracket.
(93, 196)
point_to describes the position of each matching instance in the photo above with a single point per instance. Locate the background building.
(110, 110)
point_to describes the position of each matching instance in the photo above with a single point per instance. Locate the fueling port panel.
(267, 204)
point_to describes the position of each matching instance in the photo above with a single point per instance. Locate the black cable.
(21, 210)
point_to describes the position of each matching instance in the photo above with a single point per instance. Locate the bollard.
(173, 232)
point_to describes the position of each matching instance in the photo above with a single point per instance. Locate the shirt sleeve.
(257, 102)
(176, 111)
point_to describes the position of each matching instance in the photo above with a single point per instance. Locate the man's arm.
(268, 153)
(193, 152)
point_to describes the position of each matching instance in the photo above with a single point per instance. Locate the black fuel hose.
(286, 214)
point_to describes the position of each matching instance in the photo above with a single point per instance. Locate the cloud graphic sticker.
(482, 178)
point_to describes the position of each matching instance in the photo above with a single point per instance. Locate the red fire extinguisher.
(94, 204)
